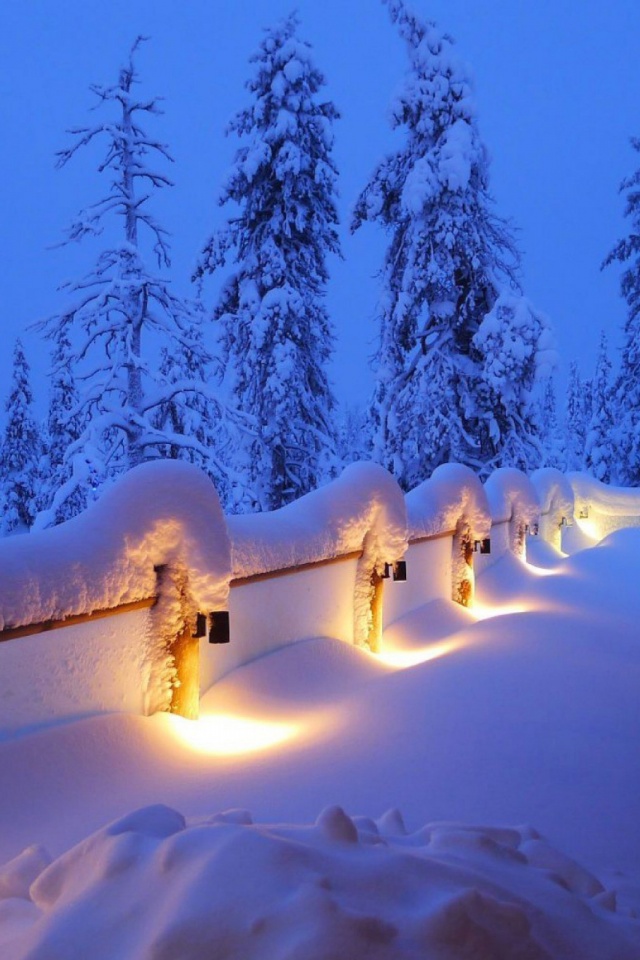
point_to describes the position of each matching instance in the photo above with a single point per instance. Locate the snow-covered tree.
(554, 440)
(448, 259)
(21, 451)
(627, 390)
(576, 419)
(599, 454)
(122, 310)
(275, 333)
(353, 431)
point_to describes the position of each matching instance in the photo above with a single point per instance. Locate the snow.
(469, 792)
(364, 502)
(609, 500)
(451, 495)
(555, 496)
(512, 498)
(160, 513)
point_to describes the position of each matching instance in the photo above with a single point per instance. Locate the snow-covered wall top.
(512, 496)
(365, 501)
(164, 512)
(453, 492)
(611, 501)
(554, 492)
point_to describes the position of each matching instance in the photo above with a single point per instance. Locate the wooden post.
(375, 633)
(185, 699)
(462, 572)
(183, 649)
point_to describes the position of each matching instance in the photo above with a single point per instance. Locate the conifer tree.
(21, 451)
(449, 257)
(275, 333)
(599, 456)
(627, 388)
(121, 304)
(554, 439)
(575, 419)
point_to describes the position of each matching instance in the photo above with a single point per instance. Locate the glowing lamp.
(400, 571)
(219, 629)
(200, 627)
(584, 513)
(482, 546)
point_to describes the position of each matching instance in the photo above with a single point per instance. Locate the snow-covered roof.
(554, 491)
(611, 501)
(451, 493)
(512, 496)
(324, 524)
(164, 512)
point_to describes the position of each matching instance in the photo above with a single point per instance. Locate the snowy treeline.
(237, 383)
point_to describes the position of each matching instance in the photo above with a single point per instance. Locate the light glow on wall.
(226, 735)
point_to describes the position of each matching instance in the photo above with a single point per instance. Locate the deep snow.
(523, 712)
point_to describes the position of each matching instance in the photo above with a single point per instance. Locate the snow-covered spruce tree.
(576, 419)
(121, 302)
(599, 454)
(448, 258)
(275, 333)
(21, 452)
(627, 388)
(554, 440)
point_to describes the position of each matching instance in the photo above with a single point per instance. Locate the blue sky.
(557, 88)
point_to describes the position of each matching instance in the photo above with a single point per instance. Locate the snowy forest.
(234, 379)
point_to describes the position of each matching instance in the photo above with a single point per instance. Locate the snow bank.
(555, 496)
(452, 494)
(604, 508)
(151, 885)
(362, 511)
(512, 498)
(161, 513)
(452, 499)
(364, 504)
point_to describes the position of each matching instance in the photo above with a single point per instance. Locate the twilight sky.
(557, 84)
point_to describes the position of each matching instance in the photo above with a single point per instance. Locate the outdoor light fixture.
(219, 631)
(387, 571)
(201, 626)
(484, 546)
(584, 513)
(535, 529)
(400, 571)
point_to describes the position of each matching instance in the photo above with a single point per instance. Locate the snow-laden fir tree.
(600, 454)
(122, 311)
(449, 257)
(21, 452)
(64, 428)
(554, 439)
(627, 389)
(275, 333)
(576, 419)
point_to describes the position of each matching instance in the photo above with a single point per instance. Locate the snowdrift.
(513, 501)
(555, 496)
(601, 508)
(149, 885)
(164, 513)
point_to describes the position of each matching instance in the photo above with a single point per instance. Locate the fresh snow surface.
(365, 501)
(510, 731)
(608, 500)
(512, 496)
(555, 493)
(451, 494)
(163, 512)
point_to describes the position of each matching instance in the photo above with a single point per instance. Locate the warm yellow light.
(484, 611)
(589, 528)
(402, 659)
(227, 735)
(541, 571)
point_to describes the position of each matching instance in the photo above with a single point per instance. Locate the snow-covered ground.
(505, 739)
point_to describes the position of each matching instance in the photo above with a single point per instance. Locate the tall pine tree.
(599, 454)
(122, 306)
(627, 390)
(275, 333)
(575, 419)
(21, 451)
(448, 258)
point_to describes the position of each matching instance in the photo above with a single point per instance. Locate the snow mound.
(512, 496)
(554, 492)
(148, 885)
(160, 513)
(610, 501)
(453, 493)
(364, 504)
